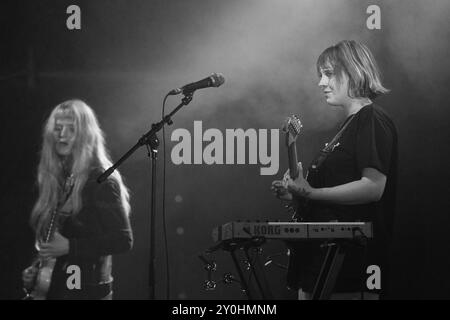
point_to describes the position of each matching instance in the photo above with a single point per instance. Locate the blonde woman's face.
(336, 92)
(64, 134)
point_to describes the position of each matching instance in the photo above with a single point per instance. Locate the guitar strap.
(67, 189)
(67, 192)
(303, 205)
(329, 147)
(62, 202)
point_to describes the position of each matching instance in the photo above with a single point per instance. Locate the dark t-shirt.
(368, 141)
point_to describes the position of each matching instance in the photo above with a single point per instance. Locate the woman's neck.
(355, 104)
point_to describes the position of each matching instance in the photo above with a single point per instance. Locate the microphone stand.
(151, 140)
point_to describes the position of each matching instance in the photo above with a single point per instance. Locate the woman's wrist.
(315, 194)
(305, 193)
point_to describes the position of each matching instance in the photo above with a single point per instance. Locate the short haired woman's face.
(336, 92)
(64, 134)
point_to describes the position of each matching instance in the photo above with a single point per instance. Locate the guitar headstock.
(292, 127)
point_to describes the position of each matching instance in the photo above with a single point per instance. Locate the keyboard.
(292, 230)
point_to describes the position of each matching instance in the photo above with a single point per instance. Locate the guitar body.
(43, 278)
(300, 209)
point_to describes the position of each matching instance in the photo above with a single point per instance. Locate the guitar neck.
(292, 157)
(52, 227)
(67, 190)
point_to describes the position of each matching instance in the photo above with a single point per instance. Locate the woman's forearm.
(356, 192)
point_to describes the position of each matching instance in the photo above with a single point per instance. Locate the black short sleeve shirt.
(368, 141)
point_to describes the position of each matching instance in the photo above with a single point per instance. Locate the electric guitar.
(46, 266)
(292, 128)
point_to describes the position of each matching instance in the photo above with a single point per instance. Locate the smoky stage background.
(129, 54)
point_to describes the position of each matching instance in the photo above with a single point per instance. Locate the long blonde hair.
(88, 151)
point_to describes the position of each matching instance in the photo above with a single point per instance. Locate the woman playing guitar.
(354, 177)
(78, 223)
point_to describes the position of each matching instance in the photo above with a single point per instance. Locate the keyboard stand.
(252, 266)
(329, 272)
(243, 281)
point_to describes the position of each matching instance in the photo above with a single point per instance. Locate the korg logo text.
(266, 230)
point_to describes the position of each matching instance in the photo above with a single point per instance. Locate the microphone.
(214, 80)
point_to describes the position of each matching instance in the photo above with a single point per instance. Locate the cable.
(363, 274)
(364, 244)
(250, 265)
(164, 201)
